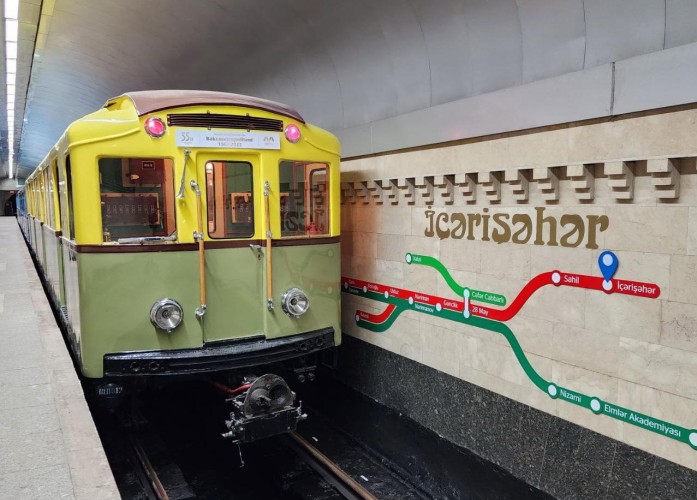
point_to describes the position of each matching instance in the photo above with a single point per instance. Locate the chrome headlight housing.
(295, 302)
(166, 314)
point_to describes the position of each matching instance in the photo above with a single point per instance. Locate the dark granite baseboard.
(549, 453)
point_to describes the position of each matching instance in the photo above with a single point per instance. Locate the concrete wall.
(621, 364)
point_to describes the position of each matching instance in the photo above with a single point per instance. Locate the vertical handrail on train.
(180, 195)
(198, 236)
(269, 290)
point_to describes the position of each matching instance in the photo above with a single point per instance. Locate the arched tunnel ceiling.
(346, 66)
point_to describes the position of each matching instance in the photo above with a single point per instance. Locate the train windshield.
(304, 188)
(230, 199)
(137, 197)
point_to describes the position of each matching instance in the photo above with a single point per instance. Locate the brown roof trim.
(147, 101)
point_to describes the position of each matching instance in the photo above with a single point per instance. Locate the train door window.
(42, 196)
(32, 197)
(69, 192)
(54, 196)
(51, 215)
(137, 197)
(230, 199)
(304, 188)
(38, 188)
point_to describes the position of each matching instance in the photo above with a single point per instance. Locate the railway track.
(344, 485)
(169, 445)
(158, 490)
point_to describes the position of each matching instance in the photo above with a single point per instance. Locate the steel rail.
(155, 482)
(332, 473)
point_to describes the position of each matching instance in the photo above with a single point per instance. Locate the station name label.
(228, 140)
(644, 421)
(489, 298)
(569, 230)
(637, 288)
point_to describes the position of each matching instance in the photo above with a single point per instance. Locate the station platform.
(49, 447)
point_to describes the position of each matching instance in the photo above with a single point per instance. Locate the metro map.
(471, 311)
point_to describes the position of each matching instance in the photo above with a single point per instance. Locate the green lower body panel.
(117, 291)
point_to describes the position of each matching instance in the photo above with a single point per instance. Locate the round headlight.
(295, 302)
(166, 314)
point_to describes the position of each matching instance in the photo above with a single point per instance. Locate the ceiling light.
(12, 9)
(11, 26)
(11, 30)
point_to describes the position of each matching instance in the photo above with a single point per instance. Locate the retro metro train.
(192, 233)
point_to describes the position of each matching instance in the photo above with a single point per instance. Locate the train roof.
(147, 101)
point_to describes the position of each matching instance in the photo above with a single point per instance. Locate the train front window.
(137, 197)
(230, 199)
(304, 188)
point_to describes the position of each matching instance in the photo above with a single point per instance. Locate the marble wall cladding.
(692, 232)
(683, 276)
(679, 326)
(660, 229)
(553, 453)
(566, 194)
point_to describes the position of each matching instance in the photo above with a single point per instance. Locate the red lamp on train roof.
(292, 132)
(155, 127)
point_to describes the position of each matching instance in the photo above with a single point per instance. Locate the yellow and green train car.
(185, 232)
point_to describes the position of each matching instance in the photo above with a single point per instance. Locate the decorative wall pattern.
(457, 188)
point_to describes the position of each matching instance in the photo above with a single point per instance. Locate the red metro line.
(556, 278)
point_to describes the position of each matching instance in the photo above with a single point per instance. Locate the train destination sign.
(231, 140)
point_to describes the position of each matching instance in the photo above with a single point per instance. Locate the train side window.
(230, 199)
(304, 188)
(137, 197)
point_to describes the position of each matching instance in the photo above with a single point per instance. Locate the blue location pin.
(608, 263)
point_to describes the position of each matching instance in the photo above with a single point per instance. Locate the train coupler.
(265, 409)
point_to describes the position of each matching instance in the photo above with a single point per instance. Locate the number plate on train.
(233, 140)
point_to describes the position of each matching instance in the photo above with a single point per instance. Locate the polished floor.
(49, 447)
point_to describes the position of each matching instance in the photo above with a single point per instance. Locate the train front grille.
(209, 120)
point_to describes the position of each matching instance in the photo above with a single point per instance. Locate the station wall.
(480, 259)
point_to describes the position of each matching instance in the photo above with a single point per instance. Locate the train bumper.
(218, 356)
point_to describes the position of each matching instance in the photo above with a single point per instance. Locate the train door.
(234, 267)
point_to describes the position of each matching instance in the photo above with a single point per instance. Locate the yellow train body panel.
(122, 130)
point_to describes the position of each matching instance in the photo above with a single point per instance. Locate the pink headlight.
(155, 127)
(292, 132)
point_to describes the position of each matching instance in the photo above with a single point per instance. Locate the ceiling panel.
(344, 65)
